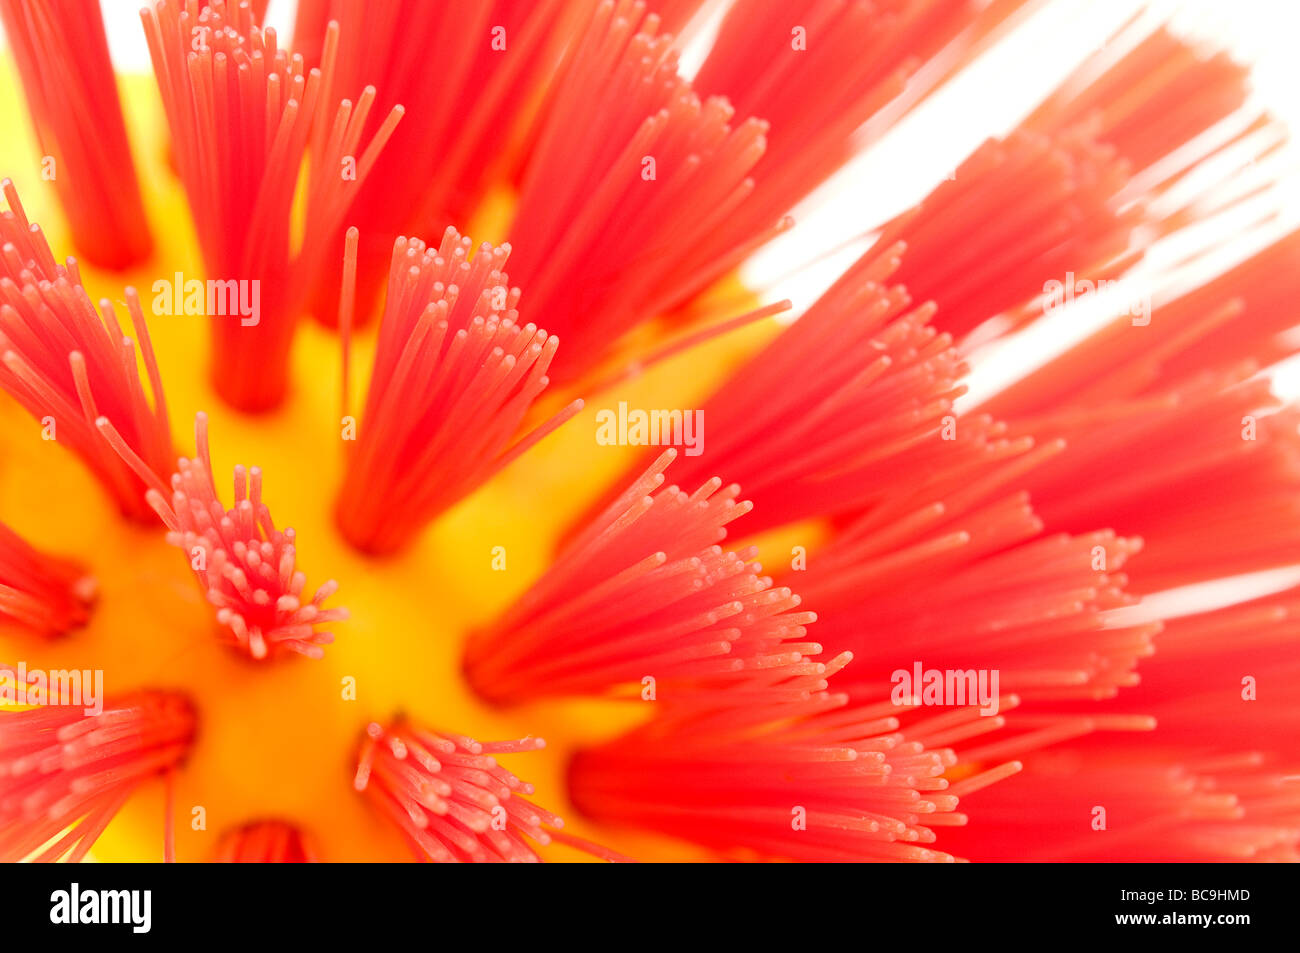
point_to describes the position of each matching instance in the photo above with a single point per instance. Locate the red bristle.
(806, 780)
(620, 220)
(644, 592)
(494, 60)
(1214, 432)
(1153, 95)
(877, 415)
(1035, 613)
(1018, 209)
(453, 378)
(242, 112)
(1234, 667)
(453, 801)
(68, 364)
(61, 53)
(42, 593)
(245, 566)
(1233, 318)
(65, 774)
(818, 71)
(1159, 806)
(265, 842)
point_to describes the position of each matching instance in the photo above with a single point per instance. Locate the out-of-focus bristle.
(1131, 802)
(69, 364)
(65, 773)
(61, 52)
(462, 132)
(42, 593)
(265, 842)
(454, 376)
(242, 113)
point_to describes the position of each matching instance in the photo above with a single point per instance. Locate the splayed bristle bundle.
(68, 363)
(454, 376)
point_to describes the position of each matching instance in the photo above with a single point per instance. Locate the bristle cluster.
(245, 565)
(463, 132)
(242, 113)
(756, 777)
(620, 220)
(644, 593)
(818, 72)
(64, 774)
(265, 842)
(1129, 803)
(41, 593)
(1018, 212)
(61, 52)
(69, 364)
(878, 414)
(452, 800)
(1035, 612)
(454, 376)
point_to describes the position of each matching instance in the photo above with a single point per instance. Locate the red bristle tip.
(242, 113)
(64, 774)
(453, 378)
(644, 597)
(265, 842)
(758, 777)
(41, 593)
(669, 168)
(69, 364)
(61, 52)
(877, 416)
(452, 800)
(1036, 613)
(246, 566)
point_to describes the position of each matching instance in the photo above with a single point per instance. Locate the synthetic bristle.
(462, 132)
(65, 774)
(1136, 803)
(1035, 613)
(242, 113)
(244, 564)
(452, 800)
(644, 593)
(811, 780)
(61, 53)
(69, 364)
(621, 220)
(41, 593)
(453, 378)
(265, 842)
